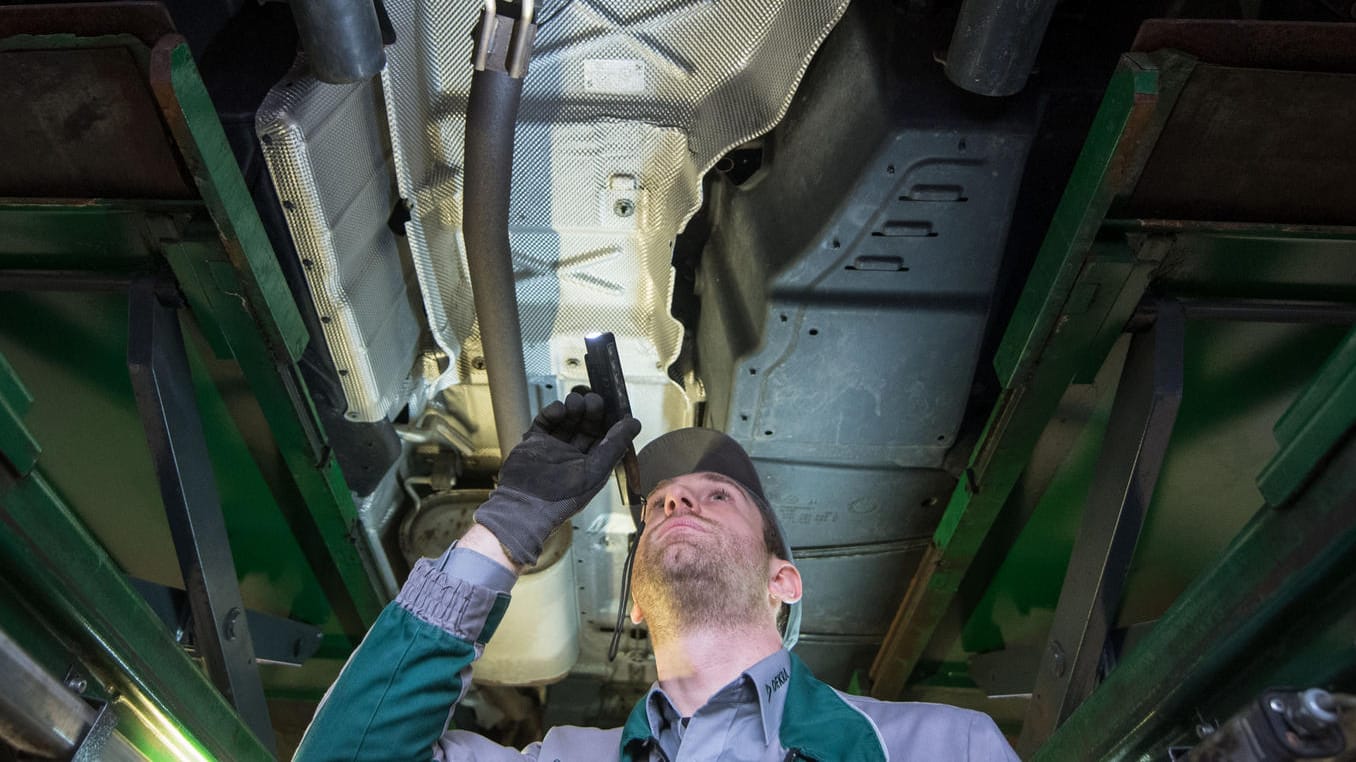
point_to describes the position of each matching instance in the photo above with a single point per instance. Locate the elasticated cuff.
(462, 609)
(471, 566)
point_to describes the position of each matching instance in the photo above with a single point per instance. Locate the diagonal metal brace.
(162, 383)
(1142, 417)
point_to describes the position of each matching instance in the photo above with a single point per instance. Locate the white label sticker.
(621, 76)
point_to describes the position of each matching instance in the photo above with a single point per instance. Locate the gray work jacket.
(394, 696)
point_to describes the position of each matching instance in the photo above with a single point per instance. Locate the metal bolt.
(1276, 705)
(624, 207)
(77, 683)
(1204, 729)
(478, 363)
(228, 623)
(572, 362)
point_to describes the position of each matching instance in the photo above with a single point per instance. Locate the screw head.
(624, 207)
(1058, 661)
(228, 624)
(77, 683)
(1204, 729)
(478, 362)
(1276, 705)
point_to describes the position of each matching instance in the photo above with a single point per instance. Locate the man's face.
(702, 556)
(695, 511)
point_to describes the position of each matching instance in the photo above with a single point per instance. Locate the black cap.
(689, 451)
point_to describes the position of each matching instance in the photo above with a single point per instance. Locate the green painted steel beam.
(1321, 416)
(197, 131)
(1284, 558)
(1083, 289)
(263, 330)
(1114, 284)
(1314, 647)
(313, 496)
(65, 575)
(69, 577)
(1138, 100)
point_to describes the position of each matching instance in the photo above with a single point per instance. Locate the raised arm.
(393, 698)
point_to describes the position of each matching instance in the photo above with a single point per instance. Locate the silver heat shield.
(327, 150)
(626, 104)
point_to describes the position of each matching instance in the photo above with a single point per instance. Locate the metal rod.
(64, 280)
(163, 386)
(1137, 434)
(1257, 311)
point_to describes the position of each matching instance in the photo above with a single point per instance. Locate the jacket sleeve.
(393, 698)
(987, 743)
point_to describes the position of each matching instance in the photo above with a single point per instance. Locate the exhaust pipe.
(994, 45)
(342, 39)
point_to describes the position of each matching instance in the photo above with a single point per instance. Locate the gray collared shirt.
(740, 722)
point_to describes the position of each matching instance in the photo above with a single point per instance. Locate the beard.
(704, 579)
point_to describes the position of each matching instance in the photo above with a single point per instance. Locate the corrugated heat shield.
(328, 150)
(626, 104)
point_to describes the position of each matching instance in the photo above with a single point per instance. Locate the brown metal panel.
(82, 123)
(1297, 46)
(1253, 145)
(145, 20)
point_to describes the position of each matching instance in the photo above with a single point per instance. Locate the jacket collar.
(816, 723)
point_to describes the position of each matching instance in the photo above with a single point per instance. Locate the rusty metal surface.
(146, 21)
(1294, 46)
(1254, 145)
(82, 123)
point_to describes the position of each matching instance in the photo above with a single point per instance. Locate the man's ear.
(636, 615)
(783, 580)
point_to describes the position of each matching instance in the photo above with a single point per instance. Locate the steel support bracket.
(1285, 568)
(276, 640)
(1142, 417)
(163, 386)
(45, 548)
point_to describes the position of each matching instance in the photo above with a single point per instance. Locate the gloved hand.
(553, 473)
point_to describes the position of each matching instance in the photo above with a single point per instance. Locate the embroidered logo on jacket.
(777, 681)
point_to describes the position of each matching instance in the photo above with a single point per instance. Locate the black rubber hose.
(490, 117)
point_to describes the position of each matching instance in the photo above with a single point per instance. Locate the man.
(712, 575)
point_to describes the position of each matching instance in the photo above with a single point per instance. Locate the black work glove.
(553, 473)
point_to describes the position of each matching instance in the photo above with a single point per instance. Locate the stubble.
(700, 579)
